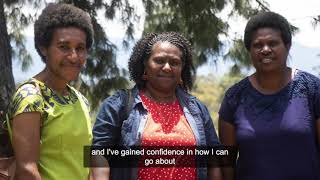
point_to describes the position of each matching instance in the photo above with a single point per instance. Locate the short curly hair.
(269, 20)
(57, 16)
(142, 51)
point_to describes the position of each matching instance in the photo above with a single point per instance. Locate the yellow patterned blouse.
(65, 129)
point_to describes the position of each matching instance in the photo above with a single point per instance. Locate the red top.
(167, 126)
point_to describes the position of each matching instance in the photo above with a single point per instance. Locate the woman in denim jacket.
(163, 114)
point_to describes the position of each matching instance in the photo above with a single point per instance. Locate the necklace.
(167, 99)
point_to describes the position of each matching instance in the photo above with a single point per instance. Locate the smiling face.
(163, 68)
(66, 54)
(268, 51)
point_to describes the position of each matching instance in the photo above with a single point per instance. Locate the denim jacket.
(108, 131)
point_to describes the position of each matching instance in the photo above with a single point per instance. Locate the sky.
(304, 53)
(305, 44)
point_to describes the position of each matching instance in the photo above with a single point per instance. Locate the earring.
(181, 82)
(144, 75)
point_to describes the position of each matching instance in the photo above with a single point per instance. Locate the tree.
(316, 20)
(210, 90)
(6, 82)
(101, 74)
(12, 17)
(239, 55)
(198, 21)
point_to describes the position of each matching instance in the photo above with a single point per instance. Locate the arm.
(26, 143)
(214, 173)
(100, 169)
(228, 138)
(106, 133)
(102, 172)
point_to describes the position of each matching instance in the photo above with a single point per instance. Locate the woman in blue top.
(272, 116)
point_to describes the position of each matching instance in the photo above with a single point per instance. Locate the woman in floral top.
(49, 120)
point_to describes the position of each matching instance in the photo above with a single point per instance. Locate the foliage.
(210, 90)
(239, 55)
(315, 21)
(198, 21)
(16, 22)
(101, 74)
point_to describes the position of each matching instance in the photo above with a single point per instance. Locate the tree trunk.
(7, 85)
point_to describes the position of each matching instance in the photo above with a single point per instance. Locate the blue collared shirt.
(110, 129)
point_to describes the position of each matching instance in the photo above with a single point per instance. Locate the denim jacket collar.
(182, 96)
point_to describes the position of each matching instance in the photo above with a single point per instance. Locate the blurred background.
(214, 27)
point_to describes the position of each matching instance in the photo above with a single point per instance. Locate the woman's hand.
(26, 143)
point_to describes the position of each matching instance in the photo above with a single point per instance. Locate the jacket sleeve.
(107, 128)
(211, 135)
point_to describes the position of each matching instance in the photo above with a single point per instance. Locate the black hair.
(57, 16)
(142, 51)
(269, 20)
